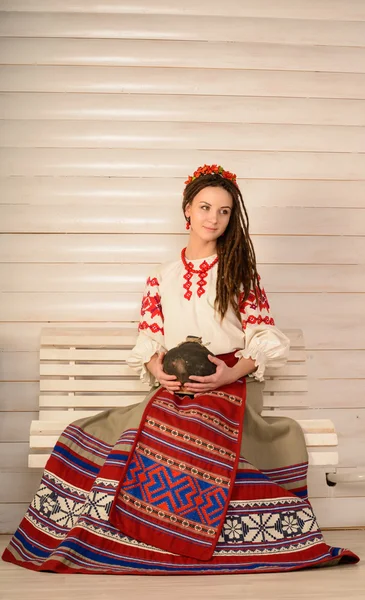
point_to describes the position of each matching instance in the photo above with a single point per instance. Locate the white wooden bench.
(83, 371)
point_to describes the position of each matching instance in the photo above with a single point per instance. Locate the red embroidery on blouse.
(152, 304)
(263, 301)
(202, 271)
(187, 285)
(153, 281)
(257, 305)
(202, 282)
(257, 320)
(152, 326)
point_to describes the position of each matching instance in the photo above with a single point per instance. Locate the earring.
(187, 225)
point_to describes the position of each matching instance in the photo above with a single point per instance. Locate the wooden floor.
(347, 582)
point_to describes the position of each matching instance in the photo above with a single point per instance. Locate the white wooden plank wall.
(104, 113)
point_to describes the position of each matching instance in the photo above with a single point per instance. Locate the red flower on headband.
(211, 170)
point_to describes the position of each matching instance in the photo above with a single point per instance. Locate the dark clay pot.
(188, 358)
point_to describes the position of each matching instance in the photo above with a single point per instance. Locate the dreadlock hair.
(236, 254)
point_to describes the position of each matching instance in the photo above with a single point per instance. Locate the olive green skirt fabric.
(268, 443)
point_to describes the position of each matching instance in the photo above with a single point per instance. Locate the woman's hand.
(222, 376)
(155, 366)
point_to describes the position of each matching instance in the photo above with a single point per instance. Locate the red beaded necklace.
(204, 267)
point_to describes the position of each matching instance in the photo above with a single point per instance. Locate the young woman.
(192, 480)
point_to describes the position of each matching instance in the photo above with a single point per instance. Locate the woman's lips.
(209, 228)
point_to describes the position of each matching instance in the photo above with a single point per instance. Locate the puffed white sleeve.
(150, 331)
(264, 342)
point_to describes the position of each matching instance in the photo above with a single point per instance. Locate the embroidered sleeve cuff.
(141, 354)
(267, 346)
(256, 355)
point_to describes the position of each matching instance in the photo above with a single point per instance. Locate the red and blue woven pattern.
(180, 473)
(67, 529)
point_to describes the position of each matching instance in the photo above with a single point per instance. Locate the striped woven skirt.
(176, 485)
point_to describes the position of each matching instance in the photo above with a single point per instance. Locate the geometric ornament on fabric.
(265, 527)
(67, 527)
(174, 492)
(180, 473)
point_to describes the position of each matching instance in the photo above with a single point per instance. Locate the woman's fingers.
(215, 359)
(160, 358)
(162, 375)
(166, 377)
(199, 379)
(199, 387)
(170, 388)
(169, 380)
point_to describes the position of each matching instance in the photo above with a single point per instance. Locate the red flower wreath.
(211, 170)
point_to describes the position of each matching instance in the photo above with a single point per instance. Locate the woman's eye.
(224, 211)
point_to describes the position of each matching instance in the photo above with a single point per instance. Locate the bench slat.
(289, 370)
(82, 354)
(286, 385)
(111, 336)
(100, 401)
(84, 368)
(90, 370)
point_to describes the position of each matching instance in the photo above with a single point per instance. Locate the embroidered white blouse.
(176, 304)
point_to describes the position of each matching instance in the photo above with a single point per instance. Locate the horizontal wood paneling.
(106, 109)
(350, 426)
(329, 321)
(179, 54)
(16, 337)
(19, 486)
(14, 455)
(227, 28)
(25, 277)
(14, 427)
(139, 248)
(319, 313)
(19, 396)
(325, 364)
(159, 80)
(327, 511)
(191, 109)
(19, 366)
(167, 219)
(12, 340)
(115, 162)
(227, 136)
(126, 190)
(353, 10)
(337, 393)
(11, 514)
(323, 393)
(23, 365)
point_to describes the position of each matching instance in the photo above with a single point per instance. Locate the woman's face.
(210, 212)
